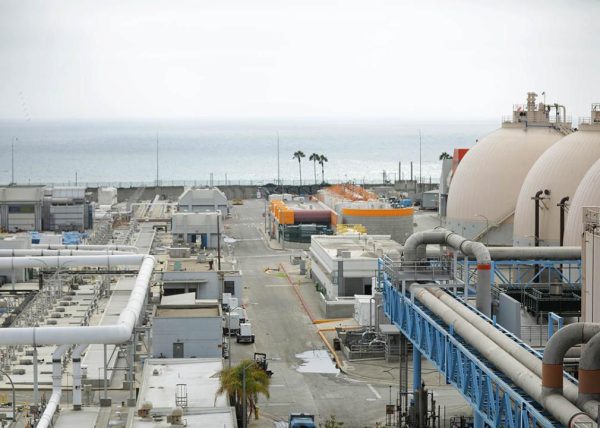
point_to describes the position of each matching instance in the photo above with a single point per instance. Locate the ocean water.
(237, 150)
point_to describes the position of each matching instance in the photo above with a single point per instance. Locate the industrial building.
(198, 228)
(21, 208)
(182, 392)
(202, 200)
(204, 283)
(345, 265)
(292, 221)
(66, 208)
(187, 331)
(357, 206)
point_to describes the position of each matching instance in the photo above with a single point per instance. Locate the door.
(177, 350)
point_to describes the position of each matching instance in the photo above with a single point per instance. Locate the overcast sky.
(280, 58)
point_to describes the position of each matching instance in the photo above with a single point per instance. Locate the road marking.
(276, 404)
(276, 386)
(374, 391)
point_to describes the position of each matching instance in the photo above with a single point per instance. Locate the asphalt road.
(283, 330)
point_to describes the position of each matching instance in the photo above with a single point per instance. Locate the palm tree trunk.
(300, 168)
(315, 169)
(322, 174)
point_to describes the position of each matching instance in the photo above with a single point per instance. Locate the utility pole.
(420, 166)
(12, 152)
(157, 160)
(278, 176)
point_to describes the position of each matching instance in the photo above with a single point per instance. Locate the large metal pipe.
(44, 253)
(556, 348)
(117, 333)
(54, 401)
(77, 376)
(115, 247)
(71, 261)
(513, 348)
(560, 408)
(563, 208)
(415, 249)
(589, 371)
(535, 253)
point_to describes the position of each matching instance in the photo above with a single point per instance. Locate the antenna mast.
(12, 153)
(157, 159)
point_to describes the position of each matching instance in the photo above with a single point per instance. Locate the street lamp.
(487, 226)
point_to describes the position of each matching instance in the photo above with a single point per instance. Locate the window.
(21, 209)
(229, 287)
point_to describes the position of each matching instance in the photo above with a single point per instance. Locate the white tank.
(560, 170)
(486, 184)
(587, 195)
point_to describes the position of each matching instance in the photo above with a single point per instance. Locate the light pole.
(487, 226)
(14, 407)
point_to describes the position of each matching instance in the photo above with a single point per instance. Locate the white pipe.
(589, 371)
(561, 408)
(71, 261)
(43, 252)
(54, 400)
(77, 376)
(117, 333)
(131, 248)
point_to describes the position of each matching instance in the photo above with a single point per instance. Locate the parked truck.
(302, 420)
(245, 334)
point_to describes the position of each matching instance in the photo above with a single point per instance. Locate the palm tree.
(322, 160)
(315, 158)
(299, 155)
(445, 155)
(232, 383)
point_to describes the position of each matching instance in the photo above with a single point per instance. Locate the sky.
(422, 59)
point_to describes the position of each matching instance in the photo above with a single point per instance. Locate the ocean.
(239, 151)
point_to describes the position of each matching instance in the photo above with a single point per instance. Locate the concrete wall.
(336, 308)
(201, 337)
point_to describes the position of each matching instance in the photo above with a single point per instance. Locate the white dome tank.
(588, 191)
(560, 170)
(485, 186)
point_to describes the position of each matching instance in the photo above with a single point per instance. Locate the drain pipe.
(561, 408)
(563, 206)
(589, 372)
(77, 376)
(415, 248)
(54, 400)
(101, 334)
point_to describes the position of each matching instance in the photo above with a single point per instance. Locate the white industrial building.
(66, 208)
(188, 331)
(201, 200)
(107, 196)
(190, 384)
(345, 265)
(196, 228)
(21, 208)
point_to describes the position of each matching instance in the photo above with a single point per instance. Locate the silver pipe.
(415, 249)
(563, 410)
(589, 371)
(535, 253)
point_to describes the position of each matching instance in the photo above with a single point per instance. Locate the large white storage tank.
(588, 191)
(559, 170)
(485, 187)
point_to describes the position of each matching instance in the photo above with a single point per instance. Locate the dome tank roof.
(486, 184)
(587, 195)
(560, 169)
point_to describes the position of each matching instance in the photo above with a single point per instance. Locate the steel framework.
(496, 402)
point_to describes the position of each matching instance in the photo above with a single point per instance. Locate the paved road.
(283, 330)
